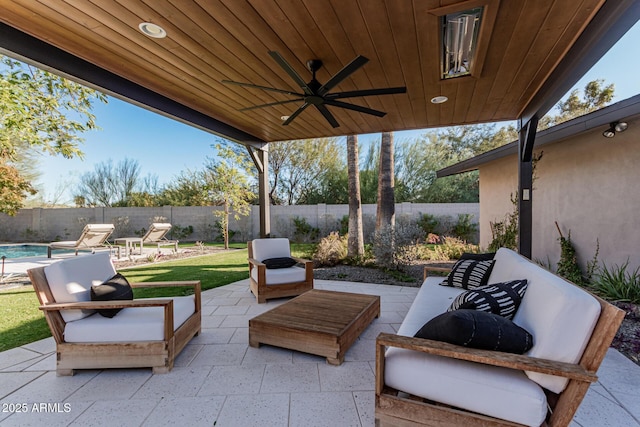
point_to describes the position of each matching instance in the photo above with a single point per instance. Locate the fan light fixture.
(615, 127)
(152, 30)
(459, 40)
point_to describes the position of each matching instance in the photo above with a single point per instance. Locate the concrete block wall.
(46, 225)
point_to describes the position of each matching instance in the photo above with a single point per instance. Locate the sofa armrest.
(192, 283)
(428, 268)
(95, 305)
(487, 357)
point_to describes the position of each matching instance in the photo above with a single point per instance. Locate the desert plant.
(465, 229)
(344, 225)
(504, 234)
(178, 232)
(331, 250)
(618, 283)
(303, 230)
(568, 264)
(428, 223)
(396, 247)
(450, 249)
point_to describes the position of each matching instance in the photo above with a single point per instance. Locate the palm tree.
(355, 244)
(386, 211)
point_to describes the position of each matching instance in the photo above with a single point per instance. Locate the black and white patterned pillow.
(469, 274)
(498, 298)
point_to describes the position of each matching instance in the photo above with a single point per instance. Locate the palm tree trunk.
(355, 244)
(386, 211)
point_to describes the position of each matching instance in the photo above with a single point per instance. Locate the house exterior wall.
(588, 184)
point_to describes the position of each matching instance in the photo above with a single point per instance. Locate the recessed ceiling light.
(283, 118)
(439, 99)
(152, 30)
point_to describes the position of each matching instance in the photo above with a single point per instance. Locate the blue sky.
(164, 147)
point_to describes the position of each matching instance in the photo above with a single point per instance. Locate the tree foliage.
(38, 111)
(226, 178)
(299, 170)
(114, 185)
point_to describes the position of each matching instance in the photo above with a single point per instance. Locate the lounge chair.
(157, 236)
(93, 236)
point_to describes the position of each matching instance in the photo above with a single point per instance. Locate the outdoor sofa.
(428, 382)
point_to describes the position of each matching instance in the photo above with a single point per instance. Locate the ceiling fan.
(316, 94)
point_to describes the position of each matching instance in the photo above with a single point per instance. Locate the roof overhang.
(626, 110)
(533, 52)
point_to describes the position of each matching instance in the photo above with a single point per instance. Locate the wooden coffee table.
(325, 323)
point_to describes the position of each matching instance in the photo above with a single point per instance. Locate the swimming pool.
(22, 251)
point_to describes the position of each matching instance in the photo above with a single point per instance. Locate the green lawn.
(22, 322)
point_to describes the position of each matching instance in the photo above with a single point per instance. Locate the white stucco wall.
(589, 184)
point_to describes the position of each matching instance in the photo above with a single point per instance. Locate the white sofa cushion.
(498, 392)
(70, 280)
(131, 324)
(270, 248)
(560, 316)
(281, 275)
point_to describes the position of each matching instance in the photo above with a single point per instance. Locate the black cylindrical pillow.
(116, 288)
(477, 329)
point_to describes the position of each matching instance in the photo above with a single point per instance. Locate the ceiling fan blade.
(355, 108)
(295, 113)
(327, 115)
(292, 73)
(352, 66)
(272, 89)
(367, 92)
(269, 105)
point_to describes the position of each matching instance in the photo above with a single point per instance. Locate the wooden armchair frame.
(263, 292)
(159, 355)
(393, 409)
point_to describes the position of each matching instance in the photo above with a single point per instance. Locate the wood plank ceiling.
(208, 41)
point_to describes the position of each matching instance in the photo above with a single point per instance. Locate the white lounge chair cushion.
(559, 315)
(130, 324)
(270, 248)
(70, 280)
(281, 275)
(498, 392)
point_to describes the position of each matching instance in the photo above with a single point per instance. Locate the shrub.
(304, 231)
(464, 228)
(344, 225)
(178, 232)
(428, 223)
(618, 284)
(331, 250)
(396, 247)
(504, 233)
(451, 248)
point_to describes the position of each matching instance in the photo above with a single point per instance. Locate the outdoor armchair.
(273, 273)
(140, 333)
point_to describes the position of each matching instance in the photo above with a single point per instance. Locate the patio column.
(260, 158)
(525, 185)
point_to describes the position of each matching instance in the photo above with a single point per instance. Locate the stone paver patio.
(219, 380)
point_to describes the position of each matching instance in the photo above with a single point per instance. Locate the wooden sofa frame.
(159, 355)
(263, 292)
(395, 409)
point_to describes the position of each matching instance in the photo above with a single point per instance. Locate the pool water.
(22, 251)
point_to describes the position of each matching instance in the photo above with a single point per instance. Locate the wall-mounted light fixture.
(615, 127)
